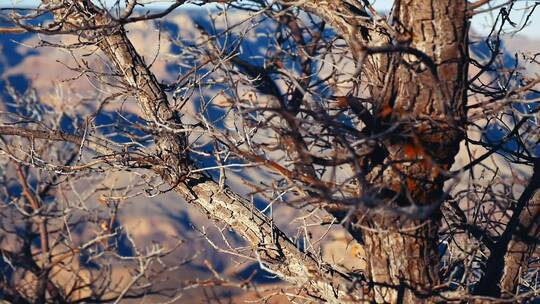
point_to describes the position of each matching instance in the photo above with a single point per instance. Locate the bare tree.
(416, 137)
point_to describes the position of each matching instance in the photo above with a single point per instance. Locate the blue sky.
(480, 22)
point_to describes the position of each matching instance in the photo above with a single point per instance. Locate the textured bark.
(430, 112)
(273, 247)
(402, 257)
(426, 103)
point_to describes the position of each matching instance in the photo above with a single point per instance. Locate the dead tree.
(352, 114)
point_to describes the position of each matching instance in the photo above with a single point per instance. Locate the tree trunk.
(402, 257)
(511, 253)
(521, 247)
(418, 76)
(425, 100)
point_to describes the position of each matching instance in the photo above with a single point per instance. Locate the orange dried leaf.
(386, 110)
(410, 151)
(342, 102)
(411, 185)
(357, 250)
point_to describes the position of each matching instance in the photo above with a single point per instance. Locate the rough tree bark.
(422, 92)
(429, 107)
